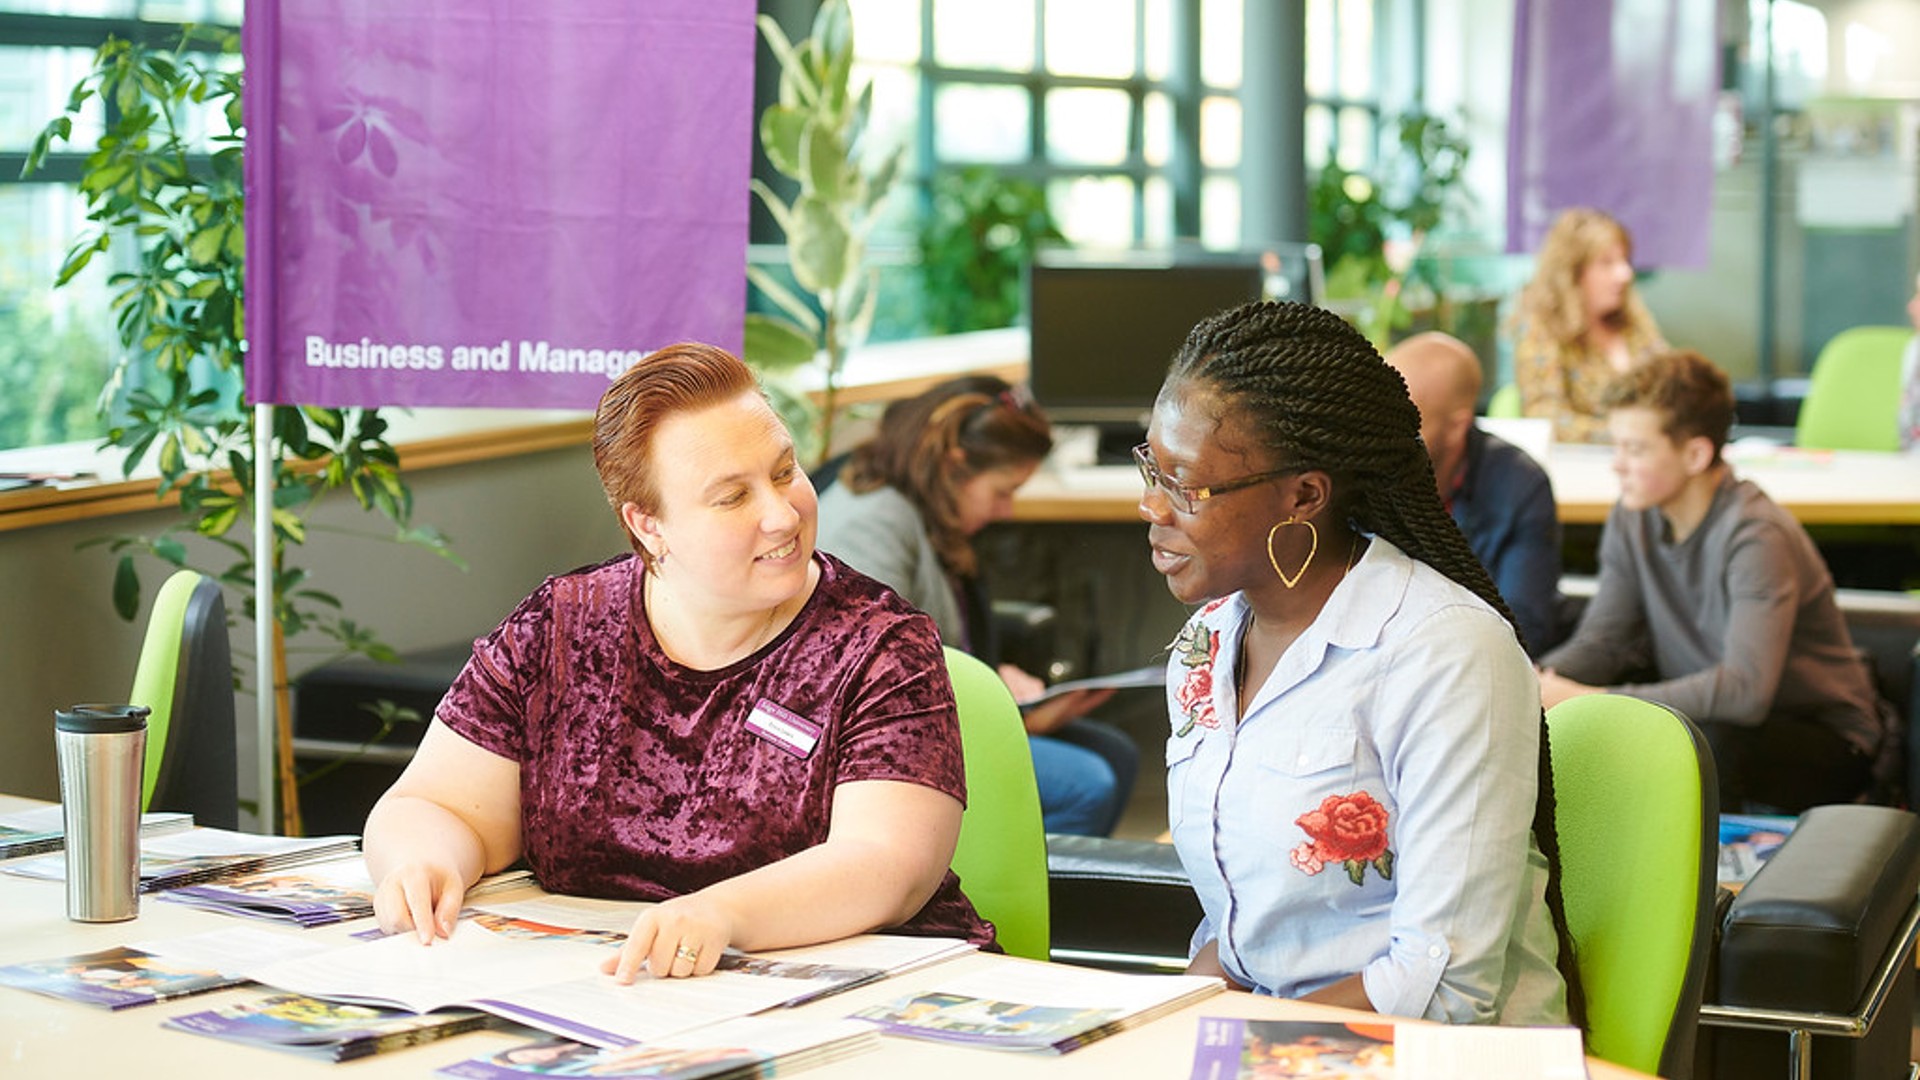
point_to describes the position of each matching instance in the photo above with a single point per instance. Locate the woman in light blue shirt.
(1356, 742)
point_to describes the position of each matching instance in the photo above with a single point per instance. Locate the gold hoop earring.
(1313, 536)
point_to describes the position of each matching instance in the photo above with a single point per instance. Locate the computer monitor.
(1105, 326)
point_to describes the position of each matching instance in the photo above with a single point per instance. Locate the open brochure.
(1228, 1048)
(1045, 1007)
(751, 1046)
(1151, 675)
(43, 829)
(330, 1030)
(548, 976)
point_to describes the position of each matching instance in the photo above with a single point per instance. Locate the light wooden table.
(44, 1037)
(1817, 487)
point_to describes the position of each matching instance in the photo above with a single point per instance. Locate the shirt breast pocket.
(1328, 790)
(1180, 765)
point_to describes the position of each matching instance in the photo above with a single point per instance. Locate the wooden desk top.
(1817, 487)
(48, 1037)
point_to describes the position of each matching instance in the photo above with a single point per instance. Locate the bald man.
(1500, 497)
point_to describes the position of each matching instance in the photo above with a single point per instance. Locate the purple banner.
(1612, 108)
(490, 202)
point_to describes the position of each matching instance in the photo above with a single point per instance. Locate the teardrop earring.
(1313, 536)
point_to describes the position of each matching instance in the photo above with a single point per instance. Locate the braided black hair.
(1314, 392)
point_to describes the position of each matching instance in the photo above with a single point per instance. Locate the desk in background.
(43, 1037)
(1841, 487)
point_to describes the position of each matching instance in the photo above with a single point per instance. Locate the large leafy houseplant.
(1371, 225)
(979, 233)
(169, 209)
(813, 136)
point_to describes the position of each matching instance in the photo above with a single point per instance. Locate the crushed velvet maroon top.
(644, 779)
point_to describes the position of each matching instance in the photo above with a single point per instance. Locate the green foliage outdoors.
(52, 374)
(178, 205)
(813, 136)
(974, 245)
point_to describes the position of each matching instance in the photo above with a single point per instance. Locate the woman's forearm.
(833, 890)
(404, 829)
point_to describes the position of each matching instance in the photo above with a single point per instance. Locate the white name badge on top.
(784, 728)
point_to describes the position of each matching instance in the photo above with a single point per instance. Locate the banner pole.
(263, 612)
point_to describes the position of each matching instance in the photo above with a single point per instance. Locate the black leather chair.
(1815, 971)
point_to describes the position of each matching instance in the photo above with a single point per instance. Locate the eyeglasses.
(1185, 498)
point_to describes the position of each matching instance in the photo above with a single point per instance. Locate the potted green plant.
(978, 234)
(1372, 226)
(813, 136)
(172, 211)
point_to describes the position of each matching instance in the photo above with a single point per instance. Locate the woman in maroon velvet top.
(727, 722)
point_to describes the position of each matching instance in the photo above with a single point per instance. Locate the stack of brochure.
(116, 978)
(734, 1050)
(41, 830)
(1047, 1007)
(316, 894)
(1228, 1048)
(326, 1029)
(174, 860)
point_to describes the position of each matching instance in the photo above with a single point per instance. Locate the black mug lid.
(101, 719)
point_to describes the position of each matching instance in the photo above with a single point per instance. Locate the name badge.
(783, 728)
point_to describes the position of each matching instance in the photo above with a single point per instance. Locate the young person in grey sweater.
(1718, 598)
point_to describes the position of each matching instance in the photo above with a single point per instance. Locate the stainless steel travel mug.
(103, 755)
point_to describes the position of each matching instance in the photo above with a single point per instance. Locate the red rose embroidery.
(1196, 648)
(1347, 829)
(1195, 698)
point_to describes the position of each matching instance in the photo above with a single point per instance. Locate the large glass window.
(57, 346)
(1085, 98)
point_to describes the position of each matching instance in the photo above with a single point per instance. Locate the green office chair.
(1638, 812)
(185, 676)
(1853, 397)
(1505, 403)
(1002, 854)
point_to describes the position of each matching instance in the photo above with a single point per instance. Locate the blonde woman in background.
(1580, 324)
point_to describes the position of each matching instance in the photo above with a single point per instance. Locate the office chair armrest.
(1120, 904)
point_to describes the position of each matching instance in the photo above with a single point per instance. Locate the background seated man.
(1719, 591)
(1498, 495)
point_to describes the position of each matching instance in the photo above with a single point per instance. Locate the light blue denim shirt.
(1373, 811)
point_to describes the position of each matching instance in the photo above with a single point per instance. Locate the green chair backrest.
(1853, 396)
(1505, 402)
(1637, 812)
(156, 680)
(1002, 854)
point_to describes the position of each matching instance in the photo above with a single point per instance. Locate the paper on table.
(1037, 1006)
(1458, 1051)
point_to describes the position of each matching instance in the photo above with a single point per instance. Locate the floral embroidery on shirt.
(1196, 648)
(1346, 829)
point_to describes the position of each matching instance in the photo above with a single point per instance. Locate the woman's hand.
(1207, 962)
(1556, 688)
(1055, 713)
(1051, 715)
(674, 938)
(420, 896)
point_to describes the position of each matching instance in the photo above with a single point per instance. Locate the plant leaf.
(782, 130)
(773, 344)
(789, 301)
(818, 242)
(126, 589)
